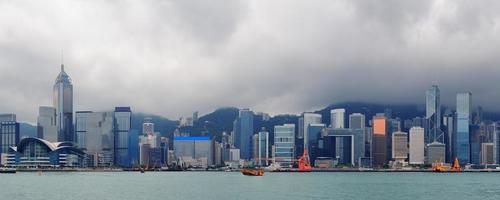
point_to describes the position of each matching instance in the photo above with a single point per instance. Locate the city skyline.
(247, 54)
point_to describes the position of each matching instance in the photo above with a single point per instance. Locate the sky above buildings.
(174, 57)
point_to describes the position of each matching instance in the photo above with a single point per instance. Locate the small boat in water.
(441, 167)
(252, 172)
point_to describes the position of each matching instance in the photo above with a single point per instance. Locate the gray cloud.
(174, 57)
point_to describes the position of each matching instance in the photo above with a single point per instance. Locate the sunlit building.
(379, 141)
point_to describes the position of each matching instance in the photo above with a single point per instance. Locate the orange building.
(379, 143)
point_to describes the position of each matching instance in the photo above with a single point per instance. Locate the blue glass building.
(314, 134)
(133, 148)
(462, 147)
(123, 118)
(9, 132)
(243, 131)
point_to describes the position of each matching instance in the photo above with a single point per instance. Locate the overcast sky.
(281, 56)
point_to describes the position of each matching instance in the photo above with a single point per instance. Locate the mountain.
(370, 110)
(163, 125)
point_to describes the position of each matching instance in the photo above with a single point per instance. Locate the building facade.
(46, 124)
(400, 146)
(284, 144)
(337, 117)
(193, 151)
(357, 121)
(122, 125)
(462, 148)
(9, 132)
(417, 145)
(243, 131)
(379, 141)
(63, 104)
(433, 115)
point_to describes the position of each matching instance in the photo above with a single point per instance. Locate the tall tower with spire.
(63, 103)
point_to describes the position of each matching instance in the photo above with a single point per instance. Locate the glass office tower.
(463, 124)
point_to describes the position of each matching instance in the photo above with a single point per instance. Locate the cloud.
(174, 57)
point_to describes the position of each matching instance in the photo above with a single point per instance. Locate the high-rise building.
(133, 148)
(193, 151)
(345, 145)
(122, 125)
(435, 152)
(312, 144)
(46, 124)
(9, 132)
(243, 131)
(261, 150)
(433, 116)
(462, 150)
(284, 144)
(63, 103)
(148, 127)
(487, 151)
(449, 140)
(399, 146)
(357, 121)
(308, 118)
(496, 142)
(417, 145)
(94, 135)
(337, 117)
(379, 141)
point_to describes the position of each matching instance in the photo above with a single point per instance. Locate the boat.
(252, 172)
(7, 170)
(441, 167)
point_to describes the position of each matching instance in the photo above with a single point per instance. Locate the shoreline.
(278, 171)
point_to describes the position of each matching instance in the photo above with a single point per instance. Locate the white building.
(417, 146)
(337, 118)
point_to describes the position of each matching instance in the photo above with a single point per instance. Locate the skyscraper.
(63, 103)
(357, 121)
(433, 116)
(122, 124)
(464, 101)
(243, 131)
(417, 146)
(379, 144)
(309, 118)
(46, 124)
(261, 152)
(449, 139)
(337, 117)
(94, 134)
(9, 132)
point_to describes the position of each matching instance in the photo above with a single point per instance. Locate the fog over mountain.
(173, 57)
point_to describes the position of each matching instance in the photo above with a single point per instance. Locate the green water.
(221, 185)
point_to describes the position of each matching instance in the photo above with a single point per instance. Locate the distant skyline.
(172, 58)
